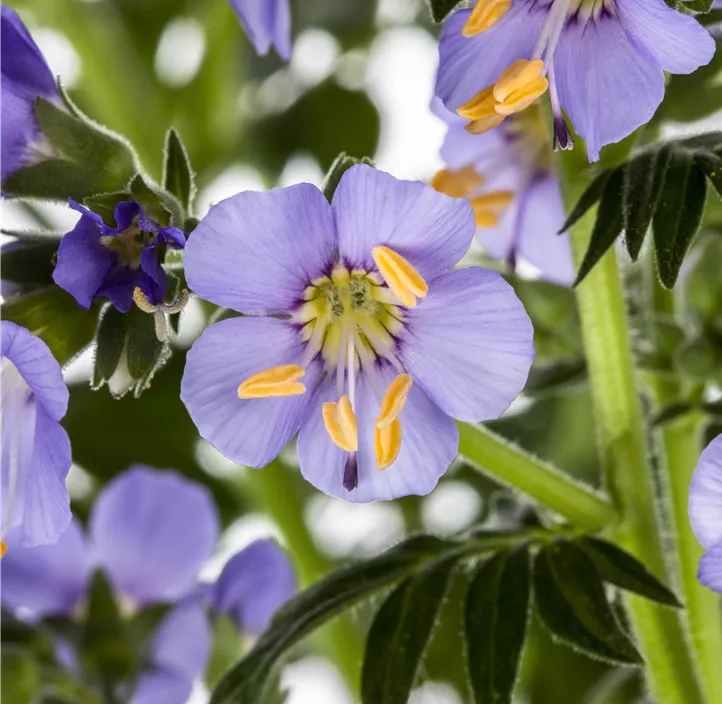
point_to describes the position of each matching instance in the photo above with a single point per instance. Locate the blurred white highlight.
(60, 55)
(315, 53)
(180, 52)
(451, 507)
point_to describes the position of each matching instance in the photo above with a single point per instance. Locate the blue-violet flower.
(267, 24)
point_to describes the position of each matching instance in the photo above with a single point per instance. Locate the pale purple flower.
(508, 176)
(705, 513)
(335, 345)
(95, 259)
(603, 61)
(25, 77)
(267, 24)
(35, 447)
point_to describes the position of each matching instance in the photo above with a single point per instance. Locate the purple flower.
(705, 513)
(603, 62)
(95, 259)
(334, 291)
(25, 77)
(508, 177)
(267, 23)
(35, 447)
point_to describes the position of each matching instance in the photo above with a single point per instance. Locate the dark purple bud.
(350, 474)
(562, 136)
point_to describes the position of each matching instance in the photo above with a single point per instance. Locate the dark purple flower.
(35, 447)
(603, 62)
(95, 259)
(508, 177)
(267, 23)
(253, 585)
(25, 77)
(335, 289)
(705, 513)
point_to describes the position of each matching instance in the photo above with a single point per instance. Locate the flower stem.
(275, 494)
(492, 454)
(622, 444)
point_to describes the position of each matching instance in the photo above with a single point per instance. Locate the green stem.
(492, 454)
(622, 444)
(277, 498)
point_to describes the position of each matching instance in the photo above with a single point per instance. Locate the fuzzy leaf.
(572, 603)
(342, 163)
(441, 9)
(177, 171)
(30, 263)
(109, 343)
(588, 199)
(497, 610)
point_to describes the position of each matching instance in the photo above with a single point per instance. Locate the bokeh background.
(360, 80)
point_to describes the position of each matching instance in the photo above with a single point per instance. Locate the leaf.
(244, 684)
(30, 262)
(572, 603)
(671, 412)
(159, 205)
(588, 199)
(608, 225)
(104, 204)
(401, 631)
(497, 610)
(52, 179)
(678, 215)
(623, 570)
(711, 164)
(177, 171)
(21, 676)
(643, 180)
(342, 163)
(53, 315)
(556, 375)
(109, 343)
(146, 354)
(441, 9)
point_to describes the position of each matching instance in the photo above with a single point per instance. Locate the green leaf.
(608, 225)
(20, 680)
(588, 199)
(177, 171)
(244, 684)
(159, 205)
(53, 179)
(643, 180)
(572, 603)
(53, 315)
(678, 214)
(109, 343)
(671, 412)
(104, 205)
(441, 9)
(340, 166)
(556, 376)
(497, 610)
(710, 162)
(31, 262)
(146, 354)
(623, 570)
(401, 631)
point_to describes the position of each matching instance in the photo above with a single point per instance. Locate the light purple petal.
(253, 585)
(152, 531)
(470, 344)
(159, 687)
(267, 23)
(83, 262)
(257, 252)
(675, 42)
(429, 445)
(49, 579)
(487, 152)
(182, 643)
(247, 431)
(710, 569)
(539, 222)
(426, 227)
(705, 496)
(605, 100)
(468, 65)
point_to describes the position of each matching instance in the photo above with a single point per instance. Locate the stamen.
(400, 275)
(457, 184)
(481, 106)
(387, 443)
(519, 86)
(485, 15)
(341, 424)
(276, 381)
(488, 207)
(484, 124)
(394, 400)
(3, 548)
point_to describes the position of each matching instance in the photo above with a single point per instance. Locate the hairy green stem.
(275, 494)
(542, 481)
(622, 444)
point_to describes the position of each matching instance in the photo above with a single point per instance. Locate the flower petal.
(152, 530)
(247, 431)
(48, 579)
(253, 585)
(267, 23)
(710, 569)
(467, 65)
(83, 262)
(675, 42)
(429, 445)
(605, 100)
(470, 344)
(705, 496)
(257, 252)
(426, 227)
(159, 687)
(182, 643)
